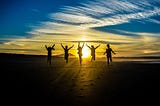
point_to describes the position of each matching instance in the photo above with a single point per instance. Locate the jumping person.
(108, 53)
(93, 49)
(80, 52)
(66, 54)
(49, 49)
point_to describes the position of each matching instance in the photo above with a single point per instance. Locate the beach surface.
(30, 79)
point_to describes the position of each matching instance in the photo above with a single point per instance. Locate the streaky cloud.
(85, 23)
(100, 41)
(97, 13)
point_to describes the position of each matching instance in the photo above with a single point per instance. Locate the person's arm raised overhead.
(78, 44)
(97, 46)
(88, 46)
(46, 47)
(53, 47)
(62, 46)
(71, 47)
(83, 45)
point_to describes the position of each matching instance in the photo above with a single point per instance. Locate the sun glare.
(86, 52)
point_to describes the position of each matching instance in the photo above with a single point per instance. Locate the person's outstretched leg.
(94, 57)
(108, 60)
(80, 60)
(67, 60)
(50, 61)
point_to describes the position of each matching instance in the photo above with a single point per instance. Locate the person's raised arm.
(83, 45)
(46, 47)
(97, 46)
(78, 44)
(62, 46)
(88, 46)
(53, 47)
(71, 47)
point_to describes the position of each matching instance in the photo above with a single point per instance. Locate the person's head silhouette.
(108, 45)
(92, 46)
(66, 47)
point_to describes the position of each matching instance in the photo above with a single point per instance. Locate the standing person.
(80, 52)
(108, 53)
(49, 49)
(93, 49)
(66, 54)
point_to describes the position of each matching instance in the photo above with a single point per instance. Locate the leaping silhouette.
(49, 49)
(80, 52)
(108, 53)
(66, 54)
(93, 49)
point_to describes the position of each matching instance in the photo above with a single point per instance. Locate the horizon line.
(59, 55)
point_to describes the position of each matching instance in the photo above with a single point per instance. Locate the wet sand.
(30, 79)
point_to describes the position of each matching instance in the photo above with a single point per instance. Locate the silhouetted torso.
(66, 50)
(109, 52)
(93, 51)
(66, 53)
(49, 49)
(80, 51)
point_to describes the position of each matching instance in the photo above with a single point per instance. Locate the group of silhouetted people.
(66, 49)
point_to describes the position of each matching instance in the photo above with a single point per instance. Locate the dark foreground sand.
(29, 79)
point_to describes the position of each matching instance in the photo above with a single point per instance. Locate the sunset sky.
(132, 27)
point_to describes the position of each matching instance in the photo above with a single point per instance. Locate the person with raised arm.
(66, 50)
(80, 54)
(49, 49)
(108, 53)
(93, 49)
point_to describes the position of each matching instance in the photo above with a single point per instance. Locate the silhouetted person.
(66, 54)
(93, 49)
(108, 53)
(80, 52)
(49, 49)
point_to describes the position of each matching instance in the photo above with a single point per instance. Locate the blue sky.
(17, 16)
(119, 22)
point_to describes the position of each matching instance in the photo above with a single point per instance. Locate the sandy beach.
(30, 79)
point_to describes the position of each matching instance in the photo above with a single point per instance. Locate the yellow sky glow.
(35, 45)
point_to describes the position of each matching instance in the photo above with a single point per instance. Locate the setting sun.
(86, 52)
